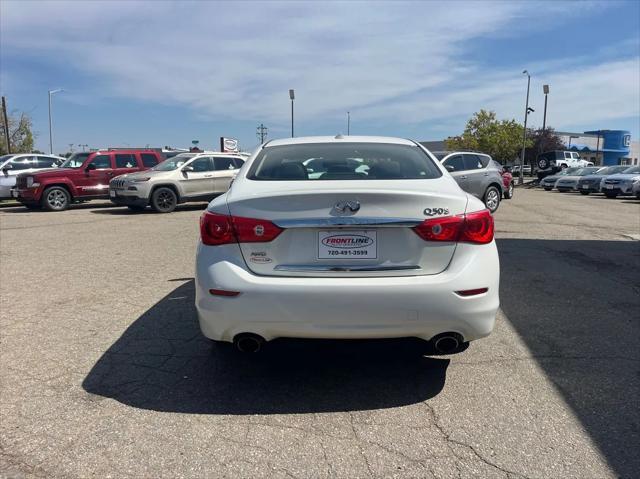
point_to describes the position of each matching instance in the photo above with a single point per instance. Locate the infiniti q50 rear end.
(356, 237)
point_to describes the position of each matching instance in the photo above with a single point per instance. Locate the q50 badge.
(436, 211)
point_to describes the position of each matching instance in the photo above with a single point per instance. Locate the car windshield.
(612, 170)
(75, 161)
(569, 171)
(342, 161)
(586, 171)
(634, 170)
(5, 158)
(173, 163)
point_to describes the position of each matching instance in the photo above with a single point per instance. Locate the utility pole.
(71, 147)
(51, 92)
(261, 133)
(6, 124)
(524, 134)
(292, 96)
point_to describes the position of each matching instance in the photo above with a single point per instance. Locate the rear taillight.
(468, 228)
(217, 229)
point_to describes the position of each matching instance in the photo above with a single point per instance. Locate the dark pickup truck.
(84, 176)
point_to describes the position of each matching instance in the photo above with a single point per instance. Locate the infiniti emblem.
(343, 206)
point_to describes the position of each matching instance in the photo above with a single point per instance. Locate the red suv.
(84, 176)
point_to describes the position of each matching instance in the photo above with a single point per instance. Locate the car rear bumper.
(347, 308)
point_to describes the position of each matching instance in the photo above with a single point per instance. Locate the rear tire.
(164, 200)
(585, 193)
(509, 193)
(56, 198)
(492, 198)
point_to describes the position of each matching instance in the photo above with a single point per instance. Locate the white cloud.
(389, 62)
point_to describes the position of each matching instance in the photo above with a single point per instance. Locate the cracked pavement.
(103, 371)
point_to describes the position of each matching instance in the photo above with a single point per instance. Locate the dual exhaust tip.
(445, 343)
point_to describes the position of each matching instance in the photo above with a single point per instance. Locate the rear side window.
(238, 162)
(342, 161)
(148, 159)
(473, 162)
(126, 160)
(102, 162)
(45, 162)
(223, 163)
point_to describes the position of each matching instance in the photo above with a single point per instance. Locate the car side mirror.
(6, 168)
(90, 166)
(187, 169)
(450, 168)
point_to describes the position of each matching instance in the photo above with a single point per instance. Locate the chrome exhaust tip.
(447, 343)
(248, 343)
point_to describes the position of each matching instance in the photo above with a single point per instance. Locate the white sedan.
(395, 249)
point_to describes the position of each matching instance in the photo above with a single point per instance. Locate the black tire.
(543, 163)
(564, 167)
(509, 193)
(136, 208)
(585, 193)
(546, 188)
(492, 198)
(608, 194)
(55, 198)
(164, 200)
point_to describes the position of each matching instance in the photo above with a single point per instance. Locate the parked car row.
(134, 178)
(612, 181)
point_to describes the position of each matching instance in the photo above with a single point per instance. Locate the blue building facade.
(614, 145)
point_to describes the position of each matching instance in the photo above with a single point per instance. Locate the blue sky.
(165, 73)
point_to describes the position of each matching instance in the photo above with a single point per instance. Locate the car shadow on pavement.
(576, 306)
(123, 210)
(163, 363)
(102, 207)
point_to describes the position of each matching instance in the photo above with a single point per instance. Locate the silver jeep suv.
(182, 178)
(476, 173)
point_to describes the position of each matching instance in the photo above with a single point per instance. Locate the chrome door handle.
(486, 174)
(208, 176)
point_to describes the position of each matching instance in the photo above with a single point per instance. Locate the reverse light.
(217, 229)
(474, 228)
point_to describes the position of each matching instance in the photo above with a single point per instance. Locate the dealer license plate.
(350, 244)
(609, 187)
(112, 193)
(585, 187)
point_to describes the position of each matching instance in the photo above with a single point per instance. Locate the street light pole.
(292, 96)
(348, 123)
(524, 134)
(51, 92)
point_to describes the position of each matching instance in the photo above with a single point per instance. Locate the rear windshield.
(343, 161)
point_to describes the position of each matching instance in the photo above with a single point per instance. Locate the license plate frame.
(347, 244)
(112, 194)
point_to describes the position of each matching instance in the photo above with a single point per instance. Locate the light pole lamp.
(51, 92)
(524, 134)
(292, 96)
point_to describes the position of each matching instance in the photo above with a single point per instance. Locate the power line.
(261, 133)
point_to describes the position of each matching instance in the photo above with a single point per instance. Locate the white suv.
(182, 178)
(12, 165)
(559, 160)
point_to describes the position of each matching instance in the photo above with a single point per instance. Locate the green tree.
(502, 139)
(541, 141)
(20, 134)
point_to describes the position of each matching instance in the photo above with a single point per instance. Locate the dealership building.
(603, 147)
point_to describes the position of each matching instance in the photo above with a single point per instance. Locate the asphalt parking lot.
(104, 373)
